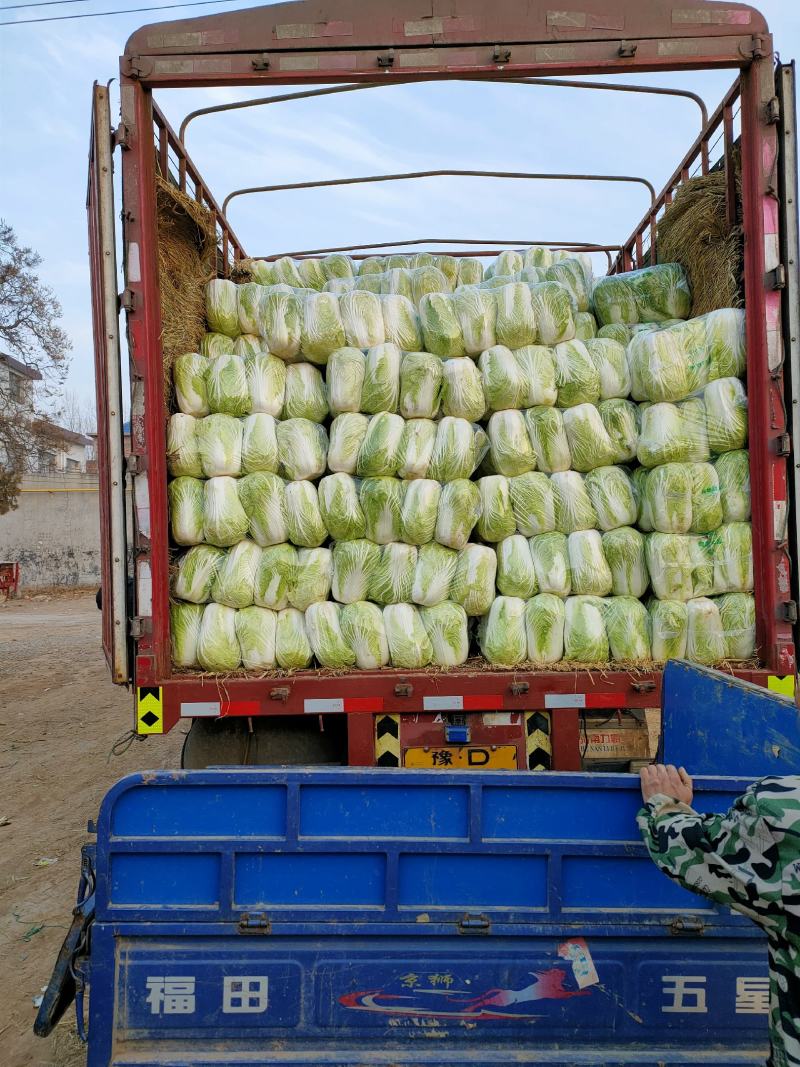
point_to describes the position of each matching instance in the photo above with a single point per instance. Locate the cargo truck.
(364, 915)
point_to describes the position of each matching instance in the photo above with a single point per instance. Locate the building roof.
(22, 369)
(61, 433)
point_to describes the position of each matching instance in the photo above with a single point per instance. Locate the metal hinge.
(134, 67)
(141, 626)
(127, 300)
(119, 137)
(132, 465)
(474, 924)
(783, 445)
(387, 59)
(261, 62)
(281, 692)
(776, 278)
(789, 611)
(501, 54)
(627, 49)
(256, 922)
(518, 689)
(773, 111)
(403, 689)
(755, 50)
(686, 924)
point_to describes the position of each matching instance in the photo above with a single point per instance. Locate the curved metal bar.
(406, 176)
(618, 87)
(567, 246)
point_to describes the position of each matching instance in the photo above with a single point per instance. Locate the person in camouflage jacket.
(747, 859)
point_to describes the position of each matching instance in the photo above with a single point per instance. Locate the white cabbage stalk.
(302, 449)
(726, 415)
(313, 578)
(671, 566)
(217, 645)
(516, 323)
(416, 448)
(552, 311)
(305, 393)
(276, 577)
(381, 388)
(441, 327)
(381, 501)
(183, 453)
(585, 326)
(453, 454)
(616, 331)
(624, 551)
(573, 274)
(501, 634)
(737, 612)
(281, 323)
(420, 510)
(380, 450)
(573, 506)
(259, 444)
(234, 580)
(510, 446)
(262, 498)
(347, 436)
(548, 439)
(612, 366)
(585, 635)
(619, 420)
(434, 572)
(726, 343)
(669, 497)
(460, 508)
(537, 256)
(222, 310)
(577, 377)
(303, 517)
(226, 386)
(340, 507)
(266, 383)
(639, 482)
(473, 581)
(544, 629)
(496, 520)
(354, 563)
(462, 390)
(337, 265)
(507, 262)
(533, 503)
(248, 305)
(446, 625)
(470, 271)
(194, 576)
(392, 580)
(733, 472)
(550, 555)
(322, 330)
(420, 385)
(733, 558)
(292, 648)
(312, 273)
(424, 280)
(589, 570)
(409, 644)
(184, 625)
(705, 637)
(627, 626)
(219, 443)
(344, 376)
(706, 502)
(247, 346)
(476, 313)
(538, 368)
(224, 518)
(661, 365)
(668, 629)
(516, 575)
(612, 496)
(362, 628)
(665, 436)
(286, 271)
(189, 375)
(401, 324)
(325, 636)
(363, 319)
(589, 443)
(215, 344)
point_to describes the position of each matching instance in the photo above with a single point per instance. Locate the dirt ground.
(59, 717)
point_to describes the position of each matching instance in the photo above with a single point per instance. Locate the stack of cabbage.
(367, 466)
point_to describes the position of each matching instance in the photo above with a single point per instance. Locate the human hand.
(669, 780)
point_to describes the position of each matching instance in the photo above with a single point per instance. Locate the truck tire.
(277, 741)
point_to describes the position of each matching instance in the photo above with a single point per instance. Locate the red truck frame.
(357, 43)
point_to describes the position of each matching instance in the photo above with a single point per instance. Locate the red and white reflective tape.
(490, 702)
(582, 700)
(216, 709)
(339, 705)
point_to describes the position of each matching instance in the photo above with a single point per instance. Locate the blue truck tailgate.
(359, 917)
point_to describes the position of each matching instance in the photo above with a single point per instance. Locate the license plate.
(463, 758)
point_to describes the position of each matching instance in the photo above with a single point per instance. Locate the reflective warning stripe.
(338, 705)
(149, 710)
(387, 740)
(784, 686)
(582, 700)
(491, 702)
(538, 743)
(201, 709)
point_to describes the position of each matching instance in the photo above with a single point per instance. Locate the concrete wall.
(54, 534)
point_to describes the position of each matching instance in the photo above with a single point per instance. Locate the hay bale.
(694, 232)
(187, 260)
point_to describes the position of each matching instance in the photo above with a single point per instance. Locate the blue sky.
(46, 73)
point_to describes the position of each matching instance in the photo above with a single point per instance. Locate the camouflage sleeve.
(732, 858)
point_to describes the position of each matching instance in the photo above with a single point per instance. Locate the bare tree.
(31, 335)
(74, 412)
